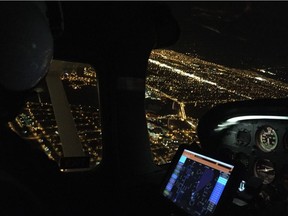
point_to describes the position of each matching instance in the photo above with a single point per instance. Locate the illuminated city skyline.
(196, 86)
(179, 89)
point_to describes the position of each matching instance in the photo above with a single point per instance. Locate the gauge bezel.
(259, 138)
(285, 141)
(256, 174)
(239, 137)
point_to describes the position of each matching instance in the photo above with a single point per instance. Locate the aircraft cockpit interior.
(144, 108)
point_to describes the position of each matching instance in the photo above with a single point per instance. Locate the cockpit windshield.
(208, 66)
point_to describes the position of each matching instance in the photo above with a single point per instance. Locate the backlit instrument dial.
(266, 139)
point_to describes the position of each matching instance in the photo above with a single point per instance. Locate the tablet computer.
(196, 183)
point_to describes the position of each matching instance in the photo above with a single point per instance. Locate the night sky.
(238, 34)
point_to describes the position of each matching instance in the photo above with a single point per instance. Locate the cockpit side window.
(60, 121)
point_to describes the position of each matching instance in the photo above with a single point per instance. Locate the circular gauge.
(266, 139)
(285, 141)
(264, 169)
(243, 137)
(285, 181)
(243, 159)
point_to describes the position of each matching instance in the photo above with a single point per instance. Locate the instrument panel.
(260, 145)
(253, 135)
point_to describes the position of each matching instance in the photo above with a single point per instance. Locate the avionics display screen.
(197, 183)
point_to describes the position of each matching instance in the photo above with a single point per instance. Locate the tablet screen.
(196, 183)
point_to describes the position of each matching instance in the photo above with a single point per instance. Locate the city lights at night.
(179, 89)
